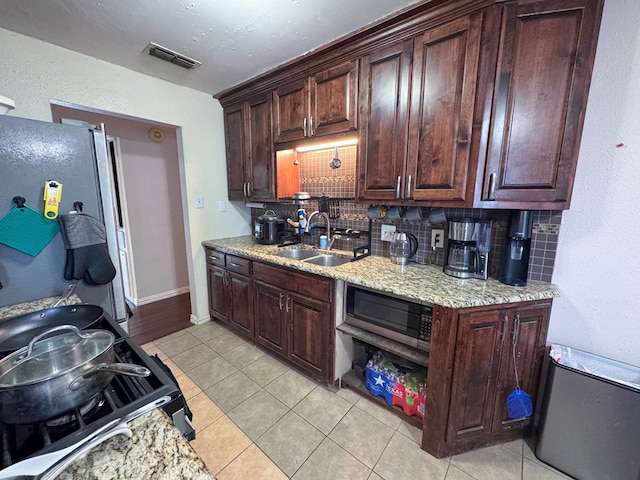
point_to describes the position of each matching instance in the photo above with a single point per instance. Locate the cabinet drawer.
(215, 258)
(238, 264)
(303, 283)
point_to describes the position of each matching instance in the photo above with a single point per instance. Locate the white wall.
(33, 72)
(598, 262)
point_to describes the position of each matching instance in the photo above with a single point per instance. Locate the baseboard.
(161, 296)
(199, 321)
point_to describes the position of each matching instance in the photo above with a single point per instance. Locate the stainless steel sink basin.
(327, 260)
(297, 254)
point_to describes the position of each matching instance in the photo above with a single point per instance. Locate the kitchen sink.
(327, 260)
(297, 254)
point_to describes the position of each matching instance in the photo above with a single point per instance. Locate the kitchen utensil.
(16, 332)
(300, 198)
(437, 216)
(376, 211)
(413, 214)
(268, 228)
(402, 248)
(27, 230)
(335, 161)
(6, 105)
(57, 374)
(395, 213)
(334, 208)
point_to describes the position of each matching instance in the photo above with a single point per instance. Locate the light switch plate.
(222, 206)
(199, 201)
(386, 232)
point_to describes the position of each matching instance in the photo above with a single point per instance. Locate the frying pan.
(16, 332)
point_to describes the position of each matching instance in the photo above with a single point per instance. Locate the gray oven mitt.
(87, 254)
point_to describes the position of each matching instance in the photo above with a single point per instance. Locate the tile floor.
(256, 418)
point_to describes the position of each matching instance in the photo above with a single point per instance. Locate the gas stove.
(105, 415)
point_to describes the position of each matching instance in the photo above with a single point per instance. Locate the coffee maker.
(468, 247)
(515, 258)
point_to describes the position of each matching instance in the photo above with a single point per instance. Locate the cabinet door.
(235, 143)
(531, 324)
(334, 98)
(475, 369)
(291, 107)
(261, 172)
(544, 68)
(269, 316)
(308, 321)
(218, 297)
(443, 90)
(384, 101)
(241, 314)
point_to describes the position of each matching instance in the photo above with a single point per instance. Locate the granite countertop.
(156, 449)
(427, 283)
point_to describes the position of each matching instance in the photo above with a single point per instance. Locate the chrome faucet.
(326, 219)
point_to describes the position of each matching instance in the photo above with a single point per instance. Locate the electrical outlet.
(437, 238)
(199, 201)
(386, 232)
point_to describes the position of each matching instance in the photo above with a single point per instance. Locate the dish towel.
(87, 254)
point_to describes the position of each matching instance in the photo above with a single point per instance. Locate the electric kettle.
(403, 247)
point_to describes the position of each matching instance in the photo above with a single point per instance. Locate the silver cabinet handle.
(213, 257)
(281, 295)
(244, 189)
(288, 298)
(398, 188)
(311, 132)
(492, 187)
(248, 189)
(409, 187)
(304, 126)
(235, 264)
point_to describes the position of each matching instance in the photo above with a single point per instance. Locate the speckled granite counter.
(421, 282)
(156, 450)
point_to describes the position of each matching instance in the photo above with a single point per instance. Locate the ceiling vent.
(176, 58)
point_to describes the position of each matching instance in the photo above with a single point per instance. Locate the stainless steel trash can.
(590, 419)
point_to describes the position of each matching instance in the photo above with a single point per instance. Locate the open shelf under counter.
(421, 357)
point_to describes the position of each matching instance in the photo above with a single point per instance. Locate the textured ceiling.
(234, 39)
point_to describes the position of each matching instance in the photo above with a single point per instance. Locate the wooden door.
(384, 104)
(269, 316)
(308, 322)
(545, 61)
(475, 369)
(531, 324)
(235, 143)
(261, 172)
(241, 315)
(334, 96)
(218, 296)
(443, 92)
(290, 111)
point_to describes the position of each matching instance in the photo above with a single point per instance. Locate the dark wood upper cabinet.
(545, 59)
(249, 146)
(322, 104)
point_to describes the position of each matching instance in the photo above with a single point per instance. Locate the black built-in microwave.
(390, 316)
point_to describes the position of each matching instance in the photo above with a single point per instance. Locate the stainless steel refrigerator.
(34, 152)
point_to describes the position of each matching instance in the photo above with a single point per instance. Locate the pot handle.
(35, 339)
(129, 369)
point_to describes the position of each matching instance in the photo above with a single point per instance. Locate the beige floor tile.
(258, 413)
(411, 431)
(349, 395)
(232, 391)
(172, 336)
(515, 445)
(375, 476)
(179, 344)
(290, 442)
(220, 443)
(455, 473)
(490, 463)
(528, 454)
(208, 330)
(226, 342)
(356, 426)
(194, 357)
(379, 411)
(243, 355)
(204, 410)
(540, 471)
(265, 370)
(188, 388)
(173, 367)
(290, 387)
(332, 462)
(403, 459)
(322, 409)
(152, 349)
(252, 464)
(211, 372)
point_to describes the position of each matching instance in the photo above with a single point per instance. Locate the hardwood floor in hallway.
(158, 319)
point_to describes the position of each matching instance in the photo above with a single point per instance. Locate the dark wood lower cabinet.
(218, 296)
(270, 327)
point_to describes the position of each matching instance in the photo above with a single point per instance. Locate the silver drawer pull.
(398, 188)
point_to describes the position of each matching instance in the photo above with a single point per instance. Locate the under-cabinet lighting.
(326, 146)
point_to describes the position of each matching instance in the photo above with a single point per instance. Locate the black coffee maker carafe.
(514, 265)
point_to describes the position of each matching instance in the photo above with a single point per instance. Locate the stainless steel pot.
(269, 228)
(55, 375)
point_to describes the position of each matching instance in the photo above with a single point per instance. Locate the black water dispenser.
(515, 258)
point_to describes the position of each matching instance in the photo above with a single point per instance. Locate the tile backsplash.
(318, 178)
